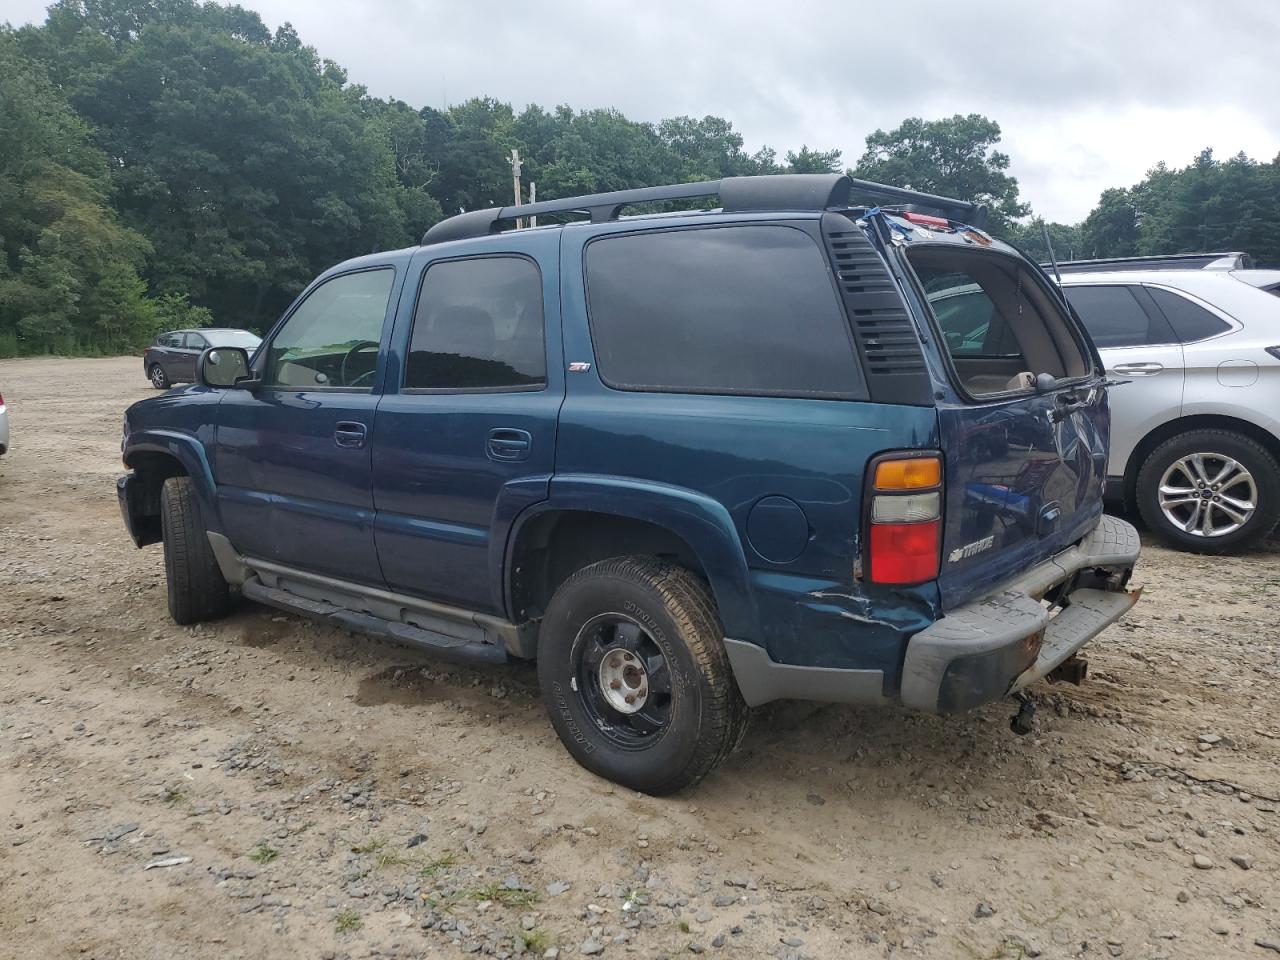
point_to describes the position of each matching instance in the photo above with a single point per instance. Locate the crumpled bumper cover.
(987, 649)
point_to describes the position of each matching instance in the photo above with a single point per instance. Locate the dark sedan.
(172, 357)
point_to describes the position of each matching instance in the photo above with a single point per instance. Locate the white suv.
(1195, 436)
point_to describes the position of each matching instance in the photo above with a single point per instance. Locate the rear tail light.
(904, 518)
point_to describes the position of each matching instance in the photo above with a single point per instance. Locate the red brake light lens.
(904, 552)
(940, 223)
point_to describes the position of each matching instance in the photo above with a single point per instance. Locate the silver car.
(1195, 436)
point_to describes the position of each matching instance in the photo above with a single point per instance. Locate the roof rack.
(1233, 260)
(777, 192)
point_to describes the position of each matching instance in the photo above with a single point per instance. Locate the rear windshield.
(1001, 326)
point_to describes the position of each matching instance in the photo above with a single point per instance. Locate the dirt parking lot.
(263, 787)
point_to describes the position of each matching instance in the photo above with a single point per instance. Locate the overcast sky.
(1089, 93)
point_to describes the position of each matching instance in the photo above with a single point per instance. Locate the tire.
(1254, 478)
(665, 617)
(197, 590)
(159, 379)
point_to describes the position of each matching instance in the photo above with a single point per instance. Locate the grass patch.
(347, 921)
(373, 846)
(535, 941)
(684, 926)
(174, 797)
(438, 864)
(503, 895)
(384, 858)
(263, 854)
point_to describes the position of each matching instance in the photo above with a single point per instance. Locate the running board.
(446, 647)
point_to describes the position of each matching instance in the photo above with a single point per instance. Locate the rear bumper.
(988, 649)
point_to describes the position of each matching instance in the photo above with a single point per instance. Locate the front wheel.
(1211, 491)
(197, 589)
(633, 670)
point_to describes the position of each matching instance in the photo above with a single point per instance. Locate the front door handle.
(507, 445)
(1139, 369)
(350, 433)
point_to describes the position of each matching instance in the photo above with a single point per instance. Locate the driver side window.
(331, 340)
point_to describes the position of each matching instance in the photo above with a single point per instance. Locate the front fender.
(700, 521)
(188, 451)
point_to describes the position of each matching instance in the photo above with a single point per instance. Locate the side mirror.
(224, 367)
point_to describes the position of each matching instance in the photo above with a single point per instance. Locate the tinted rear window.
(1114, 317)
(478, 326)
(735, 310)
(1190, 321)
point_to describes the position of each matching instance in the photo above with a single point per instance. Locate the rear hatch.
(1023, 420)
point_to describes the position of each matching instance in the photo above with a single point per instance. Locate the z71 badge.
(969, 549)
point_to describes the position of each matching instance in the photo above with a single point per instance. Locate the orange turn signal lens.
(916, 473)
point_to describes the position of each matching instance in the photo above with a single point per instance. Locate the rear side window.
(728, 310)
(478, 326)
(1114, 317)
(1191, 322)
(170, 340)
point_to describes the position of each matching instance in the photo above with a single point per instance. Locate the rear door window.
(724, 310)
(478, 326)
(1115, 318)
(1190, 321)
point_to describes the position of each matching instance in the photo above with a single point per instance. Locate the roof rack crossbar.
(972, 214)
(780, 192)
(1226, 260)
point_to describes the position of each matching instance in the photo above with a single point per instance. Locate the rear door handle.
(1140, 369)
(350, 433)
(508, 445)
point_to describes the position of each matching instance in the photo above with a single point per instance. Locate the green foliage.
(263, 854)
(347, 921)
(955, 157)
(175, 163)
(1208, 205)
(68, 270)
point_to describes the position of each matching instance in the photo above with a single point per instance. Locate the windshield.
(233, 338)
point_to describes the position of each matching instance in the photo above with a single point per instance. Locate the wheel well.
(152, 469)
(1185, 425)
(553, 546)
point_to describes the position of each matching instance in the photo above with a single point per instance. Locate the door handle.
(349, 433)
(1138, 369)
(508, 445)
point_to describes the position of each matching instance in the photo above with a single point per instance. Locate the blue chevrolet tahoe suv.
(691, 461)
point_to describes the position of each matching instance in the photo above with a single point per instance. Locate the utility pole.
(533, 198)
(515, 181)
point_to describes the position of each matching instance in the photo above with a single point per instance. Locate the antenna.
(1044, 233)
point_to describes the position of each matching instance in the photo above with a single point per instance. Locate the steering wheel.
(368, 374)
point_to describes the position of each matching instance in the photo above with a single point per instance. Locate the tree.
(68, 270)
(954, 157)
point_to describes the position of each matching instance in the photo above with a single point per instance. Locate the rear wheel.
(633, 670)
(159, 379)
(197, 589)
(1211, 491)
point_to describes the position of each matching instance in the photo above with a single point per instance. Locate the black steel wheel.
(632, 666)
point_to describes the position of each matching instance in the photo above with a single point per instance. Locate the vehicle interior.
(1001, 327)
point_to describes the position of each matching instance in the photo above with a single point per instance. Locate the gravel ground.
(264, 787)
